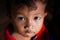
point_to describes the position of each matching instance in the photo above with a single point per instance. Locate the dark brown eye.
(21, 18)
(36, 18)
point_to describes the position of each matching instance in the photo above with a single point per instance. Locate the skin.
(28, 23)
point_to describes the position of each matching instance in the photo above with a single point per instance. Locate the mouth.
(29, 31)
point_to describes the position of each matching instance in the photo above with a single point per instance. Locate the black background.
(55, 21)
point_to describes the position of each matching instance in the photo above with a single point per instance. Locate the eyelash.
(37, 18)
(21, 18)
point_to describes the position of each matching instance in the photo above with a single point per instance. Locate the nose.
(28, 24)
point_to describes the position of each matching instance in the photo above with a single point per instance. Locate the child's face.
(29, 22)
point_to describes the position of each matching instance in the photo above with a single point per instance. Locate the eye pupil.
(21, 18)
(36, 18)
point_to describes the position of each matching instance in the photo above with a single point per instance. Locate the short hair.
(13, 4)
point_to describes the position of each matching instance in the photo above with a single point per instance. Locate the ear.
(45, 14)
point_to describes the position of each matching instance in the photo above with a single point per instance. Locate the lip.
(29, 31)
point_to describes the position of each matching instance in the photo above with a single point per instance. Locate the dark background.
(3, 17)
(55, 21)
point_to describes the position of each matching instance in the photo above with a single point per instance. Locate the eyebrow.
(33, 13)
(37, 13)
(20, 13)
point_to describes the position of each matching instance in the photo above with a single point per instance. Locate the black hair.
(15, 4)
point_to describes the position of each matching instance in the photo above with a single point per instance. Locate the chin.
(29, 35)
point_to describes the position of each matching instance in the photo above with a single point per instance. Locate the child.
(26, 20)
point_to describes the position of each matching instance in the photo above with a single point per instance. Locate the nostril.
(25, 26)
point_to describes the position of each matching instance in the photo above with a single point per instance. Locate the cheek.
(37, 25)
(19, 25)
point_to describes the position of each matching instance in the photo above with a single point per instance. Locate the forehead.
(28, 10)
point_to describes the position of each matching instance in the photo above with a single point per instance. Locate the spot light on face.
(29, 22)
